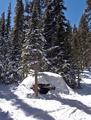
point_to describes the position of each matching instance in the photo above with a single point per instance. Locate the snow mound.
(47, 78)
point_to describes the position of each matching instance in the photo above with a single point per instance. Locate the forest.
(43, 39)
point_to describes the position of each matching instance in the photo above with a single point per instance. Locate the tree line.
(43, 39)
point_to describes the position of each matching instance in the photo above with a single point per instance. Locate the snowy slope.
(19, 103)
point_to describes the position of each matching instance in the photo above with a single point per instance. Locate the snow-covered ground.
(19, 103)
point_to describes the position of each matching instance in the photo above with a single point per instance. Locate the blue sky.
(74, 9)
(4, 6)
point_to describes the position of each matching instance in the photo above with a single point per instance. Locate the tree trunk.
(78, 75)
(36, 83)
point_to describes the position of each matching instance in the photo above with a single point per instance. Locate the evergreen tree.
(63, 52)
(88, 12)
(27, 14)
(69, 66)
(48, 31)
(89, 4)
(77, 51)
(27, 7)
(83, 38)
(59, 35)
(8, 46)
(33, 54)
(54, 27)
(5, 50)
(88, 17)
(0, 26)
(3, 24)
(18, 38)
(81, 46)
(8, 21)
(2, 47)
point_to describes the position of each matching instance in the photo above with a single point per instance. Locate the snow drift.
(46, 78)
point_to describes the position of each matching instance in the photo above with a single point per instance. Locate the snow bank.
(46, 78)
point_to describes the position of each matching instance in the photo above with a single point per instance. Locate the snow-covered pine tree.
(5, 38)
(83, 31)
(88, 13)
(88, 18)
(27, 14)
(33, 52)
(17, 40)
(63, 51)
(8, 46)
(3, 50)
(69, 66)
(8, 21)
(49, 31)
(81, 49)
(58, 47)
(3, 24)
(59, 36)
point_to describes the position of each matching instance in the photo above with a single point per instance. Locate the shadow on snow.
(38, 113)
(20, 104)
(4, 115)
(72, 103)
(85, 89)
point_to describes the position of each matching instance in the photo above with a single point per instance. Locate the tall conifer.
(18, 36)
(8, 21)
